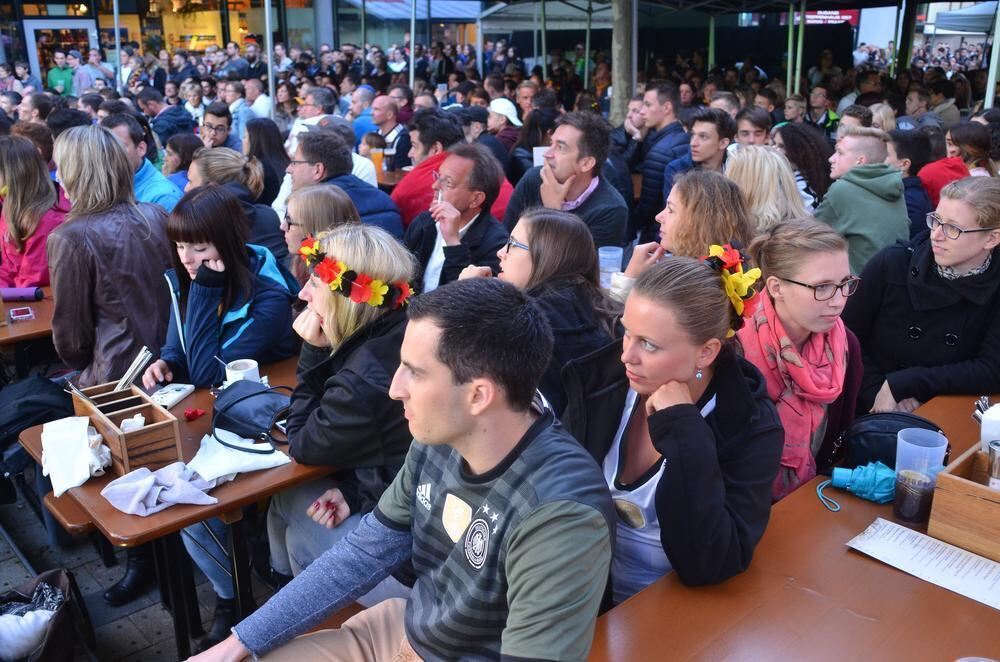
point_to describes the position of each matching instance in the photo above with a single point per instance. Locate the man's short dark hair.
(115, 107)
(486, 173)
(238, 87)
(912, 145)
(329, 149)
(759, 117)
(725, 126)
(595, 135)
(12, 96)
(437, 126)
(407, 92)
(42, 103)
(544, 99)
(148, 94)
(667, 92)
(220, 109)
(323, 97)
(861, 113)
(489, 329)
(92, 100)
(494, 81)
(66, 118)
(939, 144)
(942, 86)
(728, 98)
(208, 78)
(135, 130)
(769, 94)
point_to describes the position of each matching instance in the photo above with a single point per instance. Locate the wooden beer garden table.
(807, 596)
(163, 528)
(40, 327)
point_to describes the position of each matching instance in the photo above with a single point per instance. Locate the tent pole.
(789, 61)
(586, 47)
(991, 81)
(711, 42)
(798, 49)
(904, 47)
(545, 48)
(895, 37)
(269, 49)
(534, 35)
(119, 84)
(635, 51)
(413, 41)
(364, 29)
(479, 47)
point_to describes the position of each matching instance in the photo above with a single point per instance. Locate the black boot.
(224, 619)
(274, 579)
(139, 576)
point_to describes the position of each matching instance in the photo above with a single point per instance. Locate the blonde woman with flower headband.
(341, 414)
(683, 427)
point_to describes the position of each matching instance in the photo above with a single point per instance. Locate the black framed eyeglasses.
(289, 222)
(826, 291)
(299, 162)
(515, 243)
(220, 128)
(950, 230)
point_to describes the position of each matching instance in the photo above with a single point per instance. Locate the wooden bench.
(69, 514)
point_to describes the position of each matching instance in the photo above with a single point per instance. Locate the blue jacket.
(363, 124)
(241, 115)
(918, 205)
(173, 120)
(258, 329)
(673, 170)
(660, 148)
(374, 206)
(152, 186)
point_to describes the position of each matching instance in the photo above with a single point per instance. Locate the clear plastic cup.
(919, 455)
(610, 259)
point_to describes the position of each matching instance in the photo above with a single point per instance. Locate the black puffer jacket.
(265, 227)
(341, 413)
(713, 500)
(659, 149)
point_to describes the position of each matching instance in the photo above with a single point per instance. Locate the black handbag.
(250, 410)
(872, 438)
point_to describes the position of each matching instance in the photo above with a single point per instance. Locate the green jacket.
(62, 75)
(867, 206)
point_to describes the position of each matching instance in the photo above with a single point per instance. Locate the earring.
(698, 374)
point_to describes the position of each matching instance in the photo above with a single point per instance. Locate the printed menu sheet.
(933, 561)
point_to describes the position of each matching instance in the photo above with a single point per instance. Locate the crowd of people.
(495, 419)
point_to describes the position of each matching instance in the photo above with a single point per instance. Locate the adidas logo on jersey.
(424, 495)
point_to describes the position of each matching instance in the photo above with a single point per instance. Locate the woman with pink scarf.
(810, 361)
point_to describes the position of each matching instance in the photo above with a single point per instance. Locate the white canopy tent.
(559, 15)
(977, 19)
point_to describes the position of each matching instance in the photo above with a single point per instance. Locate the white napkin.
(214, 459)
(144, 492)
(68, 458)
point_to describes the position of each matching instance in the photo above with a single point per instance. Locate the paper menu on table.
(933, 561)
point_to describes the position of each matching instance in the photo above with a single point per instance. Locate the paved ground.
(141, 630)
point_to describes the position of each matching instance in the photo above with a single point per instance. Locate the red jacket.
(31, 267)
(938, 174)
(413, 194)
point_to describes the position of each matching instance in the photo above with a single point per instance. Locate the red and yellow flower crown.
(729, 261)
(358, 287)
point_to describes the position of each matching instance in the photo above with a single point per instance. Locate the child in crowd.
(32, 207)
(810, 362)
(909, 152)
(369, 141)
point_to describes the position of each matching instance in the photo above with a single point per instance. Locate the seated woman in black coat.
(928, 313)
(688, 438)
(551, 255)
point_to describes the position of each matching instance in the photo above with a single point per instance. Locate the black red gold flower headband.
(358, 287)
(728, 261)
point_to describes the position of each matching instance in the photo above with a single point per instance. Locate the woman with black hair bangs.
(230, 299)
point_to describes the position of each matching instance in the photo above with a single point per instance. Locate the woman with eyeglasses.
(810, 362)
(311, 211)
(551, 255)
(927, 314)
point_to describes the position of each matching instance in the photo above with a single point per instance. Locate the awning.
(978, 18)
(559, 15)
(441, 10)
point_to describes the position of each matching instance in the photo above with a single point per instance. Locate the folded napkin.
(214, 459)
(144, 492)
(69, 457)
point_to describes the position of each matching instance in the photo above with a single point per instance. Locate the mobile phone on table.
(22, 314)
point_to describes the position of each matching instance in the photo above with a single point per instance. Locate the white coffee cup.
(242, 369)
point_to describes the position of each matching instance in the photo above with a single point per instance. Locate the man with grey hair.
(260, 103)
(318, 103)
(865, 202)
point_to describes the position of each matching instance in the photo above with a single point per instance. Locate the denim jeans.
(221, 581)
